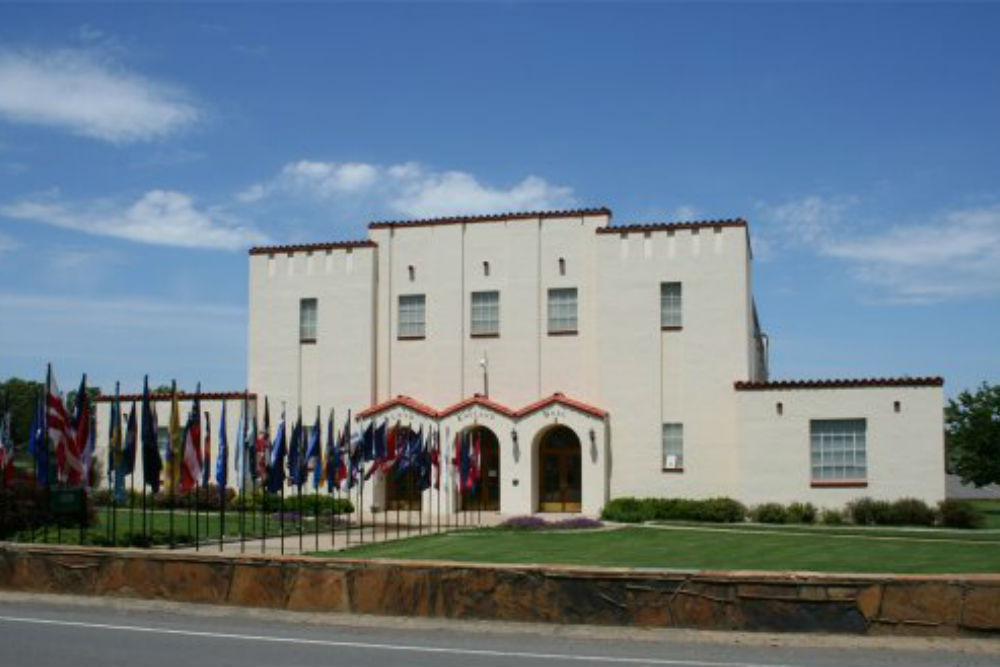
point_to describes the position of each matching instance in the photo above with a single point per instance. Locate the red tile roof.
(562, 400)
(181, 396)
(839, 384)
(304, 247)
(667, 226)
(481, 401)
(484, 402)
(498, 217)
(404, 401)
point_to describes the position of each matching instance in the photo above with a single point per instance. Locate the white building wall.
(649, 376)
(905, 449)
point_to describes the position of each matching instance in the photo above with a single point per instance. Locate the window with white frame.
(838, 449)
(411, 316)
(485, 313)
(670, 304)
(562, 310)
(673, 446)
(307, 320)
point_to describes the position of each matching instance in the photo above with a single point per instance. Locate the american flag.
(68, 448)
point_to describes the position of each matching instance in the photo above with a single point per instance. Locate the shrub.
(830, 517)
(627, 510)
(912, 512)
(637, 510)
(801, 513)
(769, 513)
(869, 512)
(959, 514)
(538, 523)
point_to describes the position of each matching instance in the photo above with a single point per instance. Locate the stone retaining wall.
(761, 601)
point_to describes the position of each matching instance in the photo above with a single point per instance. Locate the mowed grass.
(699, 549)
(990, 509)
(208, 524)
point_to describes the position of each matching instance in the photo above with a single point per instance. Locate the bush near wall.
(637, 510)
(861, 512)
(209, 499)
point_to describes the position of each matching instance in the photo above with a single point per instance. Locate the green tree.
(20, 397)
(973, 431)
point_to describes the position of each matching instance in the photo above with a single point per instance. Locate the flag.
(127, 465)
(83, 435)
(222, 465)
(206, 457)
(368, 442)
(314, 455)
(89, 448)
(174, 449)
(240, 453)
(356, 454)
(276, 459)
(190, 459)
(380, 441)
(263, 445)
(436, 458)
(332, 458)
(295, 458)
(37, 445)
(115, 448)
(6, 441)
(58, 425)
(152, 463)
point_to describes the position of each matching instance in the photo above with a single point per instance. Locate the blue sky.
(143, 148)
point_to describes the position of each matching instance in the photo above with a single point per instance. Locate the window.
(307, 320)
(562, 266)
(411, 316)
(562, 310)
(838, 449)
(485, 314)
(670, 305)
(486, 269)
(673, 447)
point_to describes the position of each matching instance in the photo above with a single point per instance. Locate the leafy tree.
(973, 430)
(20, 397)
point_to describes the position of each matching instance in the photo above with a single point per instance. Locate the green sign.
(67, 502)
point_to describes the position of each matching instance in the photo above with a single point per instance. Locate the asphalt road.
(49, 630)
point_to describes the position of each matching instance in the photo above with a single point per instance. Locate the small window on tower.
(307, 320)
(486, 268)
(562, 266)
(412, 271)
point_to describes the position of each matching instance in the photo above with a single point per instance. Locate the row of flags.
(298, 457)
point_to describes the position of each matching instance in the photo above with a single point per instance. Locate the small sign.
(66, 502)
(671, 462)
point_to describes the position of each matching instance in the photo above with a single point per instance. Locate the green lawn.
(208, 525)
(985, 535)
(691, 548)
(990, 509)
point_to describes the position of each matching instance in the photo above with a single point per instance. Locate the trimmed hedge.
(637, 510)
(959, 514)
(902, 512)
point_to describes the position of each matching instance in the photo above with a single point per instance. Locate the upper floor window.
(838, 449)
(673, 446)
(670, 305)
(307, 320)
(411, 316)
(562, 310)
(485, 314)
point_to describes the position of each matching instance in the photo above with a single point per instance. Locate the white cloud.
(79, 91)
(956, 254)
(410, 189)
(7, 244)
(685, 213)
(806, 220)
(159, 217)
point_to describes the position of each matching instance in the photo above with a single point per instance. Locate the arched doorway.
(402, 478)
(483, 492)
(560, 471)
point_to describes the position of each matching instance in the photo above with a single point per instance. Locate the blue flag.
(37, 445)
(295, 459)
(222, 459)
(314, 459)
(127, 464)
(276, 464)
(152, 463)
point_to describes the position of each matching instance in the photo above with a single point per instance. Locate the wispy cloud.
(410, 189)
(83, 92)
(953, 254)
(7, 244)
(159, 217)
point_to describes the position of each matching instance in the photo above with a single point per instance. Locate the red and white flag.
(69, 452)
(191, 462)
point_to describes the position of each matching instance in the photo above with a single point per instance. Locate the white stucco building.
(597, 361)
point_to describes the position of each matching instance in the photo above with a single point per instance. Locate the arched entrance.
(483, 493)
(560, 471)
(402, 490)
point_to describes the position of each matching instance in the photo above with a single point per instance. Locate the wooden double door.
(560, 471)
